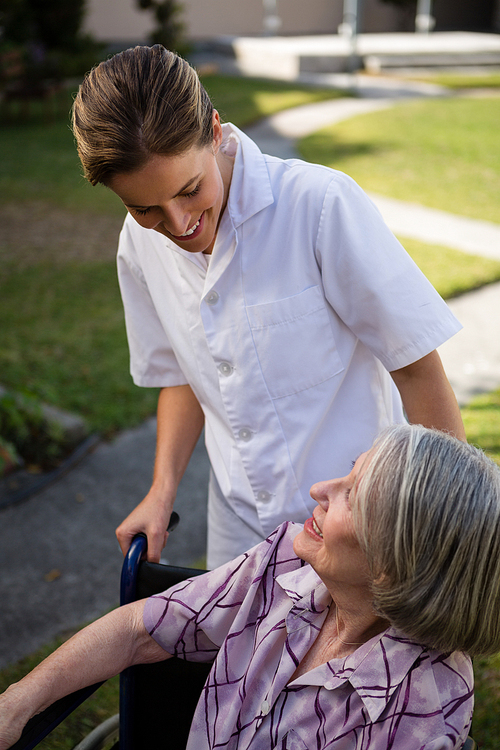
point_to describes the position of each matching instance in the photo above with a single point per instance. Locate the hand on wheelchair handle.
(154, 518)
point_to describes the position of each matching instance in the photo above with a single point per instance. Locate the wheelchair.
(150, 694)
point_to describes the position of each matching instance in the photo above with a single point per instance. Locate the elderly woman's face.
(328, 541)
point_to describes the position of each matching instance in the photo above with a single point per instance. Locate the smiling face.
(328, 541)
(182, 196)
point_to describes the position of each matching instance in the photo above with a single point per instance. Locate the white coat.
(286, 334)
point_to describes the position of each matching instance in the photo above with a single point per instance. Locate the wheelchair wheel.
(103, 737)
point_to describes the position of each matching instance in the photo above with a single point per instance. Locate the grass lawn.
(461, 81)
(451, 272)
(442, 153)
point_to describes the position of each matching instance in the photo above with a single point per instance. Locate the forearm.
(180, 421)
(428, 397)
(94, 654)
(179, 424)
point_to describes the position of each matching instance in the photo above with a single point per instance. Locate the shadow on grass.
(335, 149)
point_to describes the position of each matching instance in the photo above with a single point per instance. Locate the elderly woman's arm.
(99, 651)
(428, 397)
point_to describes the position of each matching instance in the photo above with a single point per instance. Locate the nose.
(320, 492)
(174, 219)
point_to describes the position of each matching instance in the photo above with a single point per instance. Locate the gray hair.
(142, 101)
(427, 514)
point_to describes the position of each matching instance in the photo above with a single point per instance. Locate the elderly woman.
(353, 631)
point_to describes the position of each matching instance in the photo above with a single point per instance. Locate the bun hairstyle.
(143, 101)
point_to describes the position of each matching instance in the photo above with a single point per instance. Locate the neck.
(225, 164)
(355, 629)
(351, 619)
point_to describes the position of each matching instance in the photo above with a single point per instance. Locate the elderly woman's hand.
(15, 711)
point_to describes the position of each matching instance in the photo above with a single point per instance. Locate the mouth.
(316, 528)
(192, 231)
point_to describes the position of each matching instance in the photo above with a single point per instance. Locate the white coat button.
(264, 496)
(245, 434)
(265, 708)
(212, 298)
(225, 369)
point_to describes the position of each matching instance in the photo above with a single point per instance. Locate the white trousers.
(228, 535)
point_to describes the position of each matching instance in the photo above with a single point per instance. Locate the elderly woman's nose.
(319, 491)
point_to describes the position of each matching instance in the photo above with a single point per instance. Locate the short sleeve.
(372, 283)
(152, 361)
(192, 619)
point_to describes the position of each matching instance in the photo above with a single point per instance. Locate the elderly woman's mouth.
(316, 528)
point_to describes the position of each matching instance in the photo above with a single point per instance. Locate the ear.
(217, 128)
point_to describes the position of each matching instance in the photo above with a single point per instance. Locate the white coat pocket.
(294, 342)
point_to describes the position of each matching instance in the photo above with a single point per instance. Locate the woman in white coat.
(266, 299)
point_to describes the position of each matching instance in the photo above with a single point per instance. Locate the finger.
(124, 540)
(156, 543)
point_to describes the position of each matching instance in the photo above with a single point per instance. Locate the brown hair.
(143, 101)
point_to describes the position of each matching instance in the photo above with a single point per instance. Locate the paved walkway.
(58, 555)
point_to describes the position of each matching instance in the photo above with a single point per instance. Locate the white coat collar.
(250, 190)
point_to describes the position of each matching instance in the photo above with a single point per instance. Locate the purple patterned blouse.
(258, 616)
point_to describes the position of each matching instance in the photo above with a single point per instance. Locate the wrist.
(163, 491)
(19, 704)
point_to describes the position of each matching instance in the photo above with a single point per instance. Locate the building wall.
(378, 17)
(121, 20)
(117, 21)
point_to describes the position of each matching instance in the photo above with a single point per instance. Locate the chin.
(299, 547)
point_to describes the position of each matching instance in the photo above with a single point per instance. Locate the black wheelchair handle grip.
(173, 522)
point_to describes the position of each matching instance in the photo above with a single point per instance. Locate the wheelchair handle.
(137, 550)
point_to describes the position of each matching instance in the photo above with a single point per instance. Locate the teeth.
(317, 529)
(190, 231)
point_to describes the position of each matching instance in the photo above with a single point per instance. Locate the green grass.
(461, 80)
(482, 423)
(39, 162)
(251, 99)
(486, 721)
(451, 272)
(62, 337)
(441, 153)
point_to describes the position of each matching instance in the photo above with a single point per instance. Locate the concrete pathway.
(59, 559)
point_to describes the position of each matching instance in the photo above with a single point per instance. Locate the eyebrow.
(183, 188)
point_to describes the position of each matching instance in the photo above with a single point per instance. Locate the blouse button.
(264, 496)
(245, 434)
(265, 708)
(212, 298)
(225, 369)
